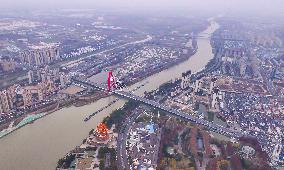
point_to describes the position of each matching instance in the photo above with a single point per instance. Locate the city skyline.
(131, 85)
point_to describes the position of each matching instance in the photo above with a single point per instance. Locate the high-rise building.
(4, 102)
(11, 93)
(62, 78)
(37, 93)
(1, 109)
(212, 85)
(215, 98)
(197, 85)
(185, 80)
(7, 65)
(31, 76)
(40, 57)
(48, 77)
(27, 97)
(43, 76)
(55, 73)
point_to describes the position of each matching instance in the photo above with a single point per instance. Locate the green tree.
(102, 164)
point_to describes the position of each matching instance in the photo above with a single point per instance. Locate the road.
(121, 143)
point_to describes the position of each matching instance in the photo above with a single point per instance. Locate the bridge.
(211, 36)
(211, 126)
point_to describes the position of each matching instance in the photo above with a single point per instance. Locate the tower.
(101, 132)
(111, 81)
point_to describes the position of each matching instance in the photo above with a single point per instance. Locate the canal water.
(38, 146)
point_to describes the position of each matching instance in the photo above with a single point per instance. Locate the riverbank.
(54, 135)
(165, 67)
(85, 100)
(28, 119)
(98, 149)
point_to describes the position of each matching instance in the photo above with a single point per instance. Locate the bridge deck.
(214, 127)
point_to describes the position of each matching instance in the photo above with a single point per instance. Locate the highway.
(213, 127)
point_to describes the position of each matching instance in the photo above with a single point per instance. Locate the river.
(38, 146)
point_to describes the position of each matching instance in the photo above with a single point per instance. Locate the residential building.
(4, 102)
(185, 80)
(30, 76)
(37, 93)
(7, 65)
(40, 57)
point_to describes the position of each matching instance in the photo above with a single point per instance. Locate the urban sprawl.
(241, 89)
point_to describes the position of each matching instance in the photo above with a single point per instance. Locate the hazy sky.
(275, 7)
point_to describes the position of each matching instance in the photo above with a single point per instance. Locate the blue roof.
(150, 128)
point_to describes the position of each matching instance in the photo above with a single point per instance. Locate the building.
(212, 85)
(31, 76)
(37, 93)
(8, 99)
(1, 109)
(11, 93)
(40, 57)
(101, 132)
(4, 102)
(185, 80)
(44, 74)
(143, 143)
(197, 85)
(64, 79)
(7, 65)
(27, 97)
(216, 97)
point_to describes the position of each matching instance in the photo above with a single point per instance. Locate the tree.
(91, 132)
(102, 164)
(102, 151)
(66, 161)
(236, 162)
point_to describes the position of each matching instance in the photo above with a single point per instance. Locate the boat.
(101, 109)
